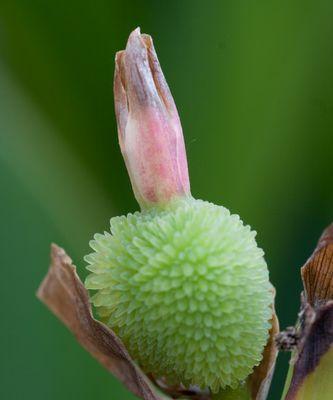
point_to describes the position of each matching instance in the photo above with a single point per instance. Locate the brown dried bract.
(317, 273)
(260, 380)
(316, 341)
(63, 292)
(315, 326)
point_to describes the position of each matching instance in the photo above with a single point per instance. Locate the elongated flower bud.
(150, 133)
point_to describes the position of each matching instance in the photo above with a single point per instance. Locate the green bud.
(186, 288)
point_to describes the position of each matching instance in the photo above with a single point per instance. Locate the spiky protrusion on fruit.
(186, 288)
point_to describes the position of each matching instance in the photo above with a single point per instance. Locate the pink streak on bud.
(149, 129)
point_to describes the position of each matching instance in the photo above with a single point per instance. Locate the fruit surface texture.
(187, 290)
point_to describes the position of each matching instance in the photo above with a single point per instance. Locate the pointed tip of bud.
(150, 133)
(135, 33)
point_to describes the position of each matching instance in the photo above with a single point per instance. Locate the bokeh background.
(253, 83)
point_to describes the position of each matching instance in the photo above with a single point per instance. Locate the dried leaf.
(260, 380)
(63, 292)
(315, 344)
(317, 273)
(315, 326)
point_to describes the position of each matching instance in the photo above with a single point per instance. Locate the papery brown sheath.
(311, 371)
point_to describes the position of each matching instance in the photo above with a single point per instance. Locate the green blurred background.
(253, 83)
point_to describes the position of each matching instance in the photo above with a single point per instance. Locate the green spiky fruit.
(186, 288)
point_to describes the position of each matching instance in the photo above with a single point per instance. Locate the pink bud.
(149, 129)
